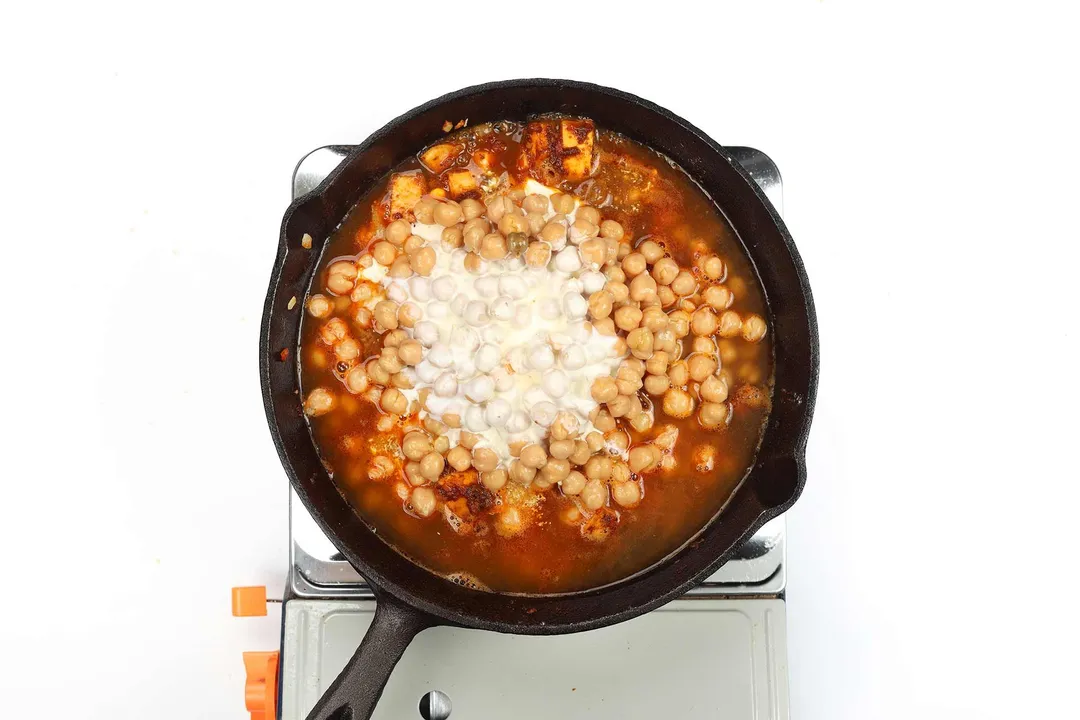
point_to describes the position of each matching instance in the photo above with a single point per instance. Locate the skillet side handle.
(356, 691)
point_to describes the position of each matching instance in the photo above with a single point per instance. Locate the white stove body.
(718, 652)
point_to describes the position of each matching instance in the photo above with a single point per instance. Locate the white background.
(929, 154)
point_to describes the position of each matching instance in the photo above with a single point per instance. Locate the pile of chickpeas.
(673, 324)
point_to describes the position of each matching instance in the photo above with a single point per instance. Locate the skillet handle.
(356, 691)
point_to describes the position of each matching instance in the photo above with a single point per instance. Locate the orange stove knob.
(260, 689)
(249, 601)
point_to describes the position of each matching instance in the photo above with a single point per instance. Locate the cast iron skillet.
(410, 598)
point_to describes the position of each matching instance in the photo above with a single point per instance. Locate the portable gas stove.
(720, 651)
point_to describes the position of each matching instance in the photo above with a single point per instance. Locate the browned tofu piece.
(462, 184)
(558, 150)
(405, 190)
(440, 157)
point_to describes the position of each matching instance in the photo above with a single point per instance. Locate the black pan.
(410, 598)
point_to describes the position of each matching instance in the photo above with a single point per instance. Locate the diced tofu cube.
(440, 157)
(462, 184)
(405, 190)
(555, 151)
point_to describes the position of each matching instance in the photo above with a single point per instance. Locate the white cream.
(506, 349)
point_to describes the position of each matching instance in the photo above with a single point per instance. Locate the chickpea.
(703, 321)
(453, 237)
(555, 470)
(493, 247)
(339, 284)
(533, 456)
(423, 501)
(422, 261)
(573, 483)
(553, 232)
(413, 474)
(594, 495)
(600, 303)
(473, 233)
(634, 264)
(627, 318)
(474, 264)
(679, 322)
(424, 210)
(730, 324)
(394, 338)
(318, 306)
(538, 254)
(604, 326)
(562, 204)
(641, 422)
(718, 297)
(384, 253)
(561, 449)
(604, 422)
(657, 384)
(459, 458)
(400, 268)
(619, 292)
(651, 250)
(753, 328)
(468, 440)
(611, 229)
(582, 229)
(655, 319)
(393, 402)
(431, 466)
(627, 386)
(640, 342)
(626, 493)
(632, 366)
(658, 363)
(512, 223)
(643, 287)
(604, 390)
(713, 415)
(410, 352)
(484, 459)
(347, 350)
(665, 296)
(615, 274)
(448, 214)
(581, 453)
(319, 402)
(703, 345)
(494, 480)
(679, 373)
(397, 231)
(471, 209)
(452, 420)
(598, 468)
(678, 403)
(713, 390)
(522, 473)
(589, 214)
(593, 252)
(595, 441)
(356, 380)
(412, 244)
(684, 284)
(377, 373)
(713, 267)
(644, 458)
(535, 204)
(415, 445)
(385, 314)
(701, 366)
(389, 360)
(619, 407)
(665, 271)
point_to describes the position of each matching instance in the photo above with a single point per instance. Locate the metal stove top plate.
(318, 569)
(692, 659)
